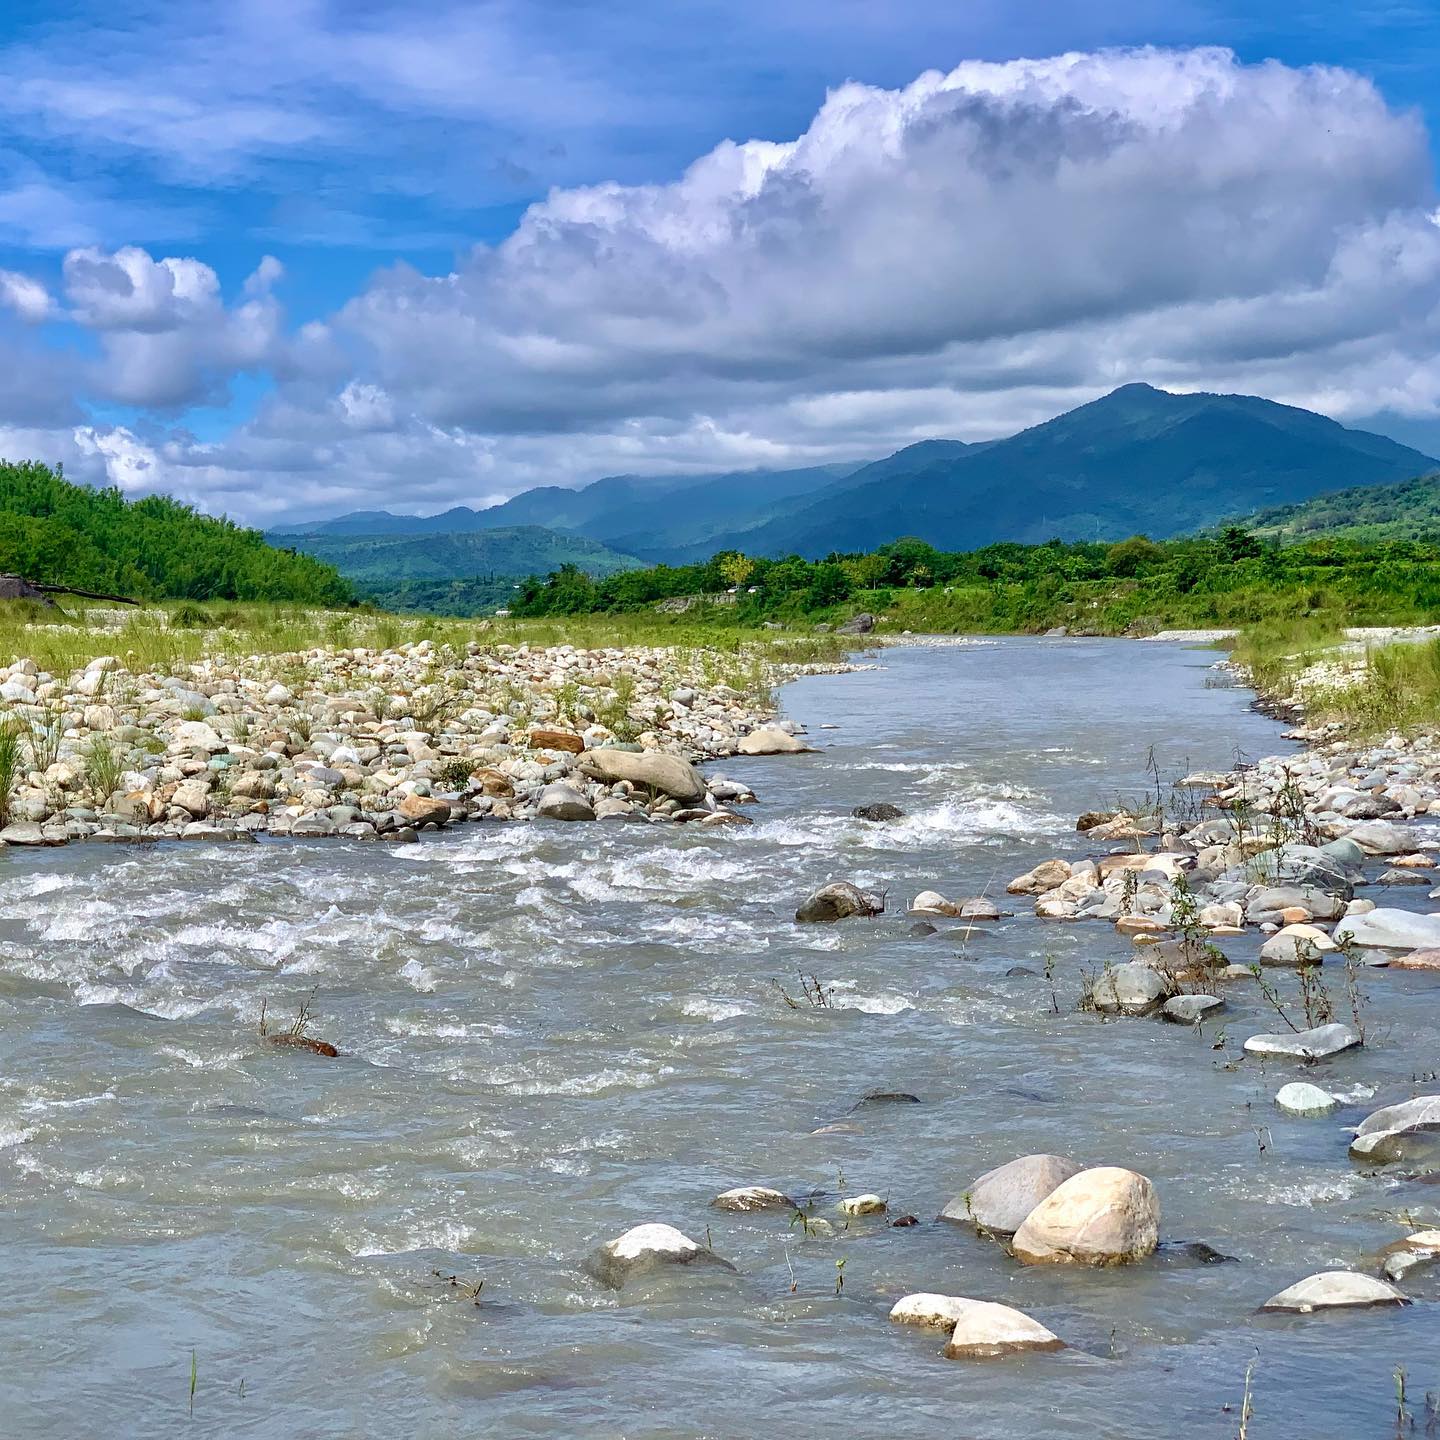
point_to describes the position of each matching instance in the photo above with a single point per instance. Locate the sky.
(284, 259)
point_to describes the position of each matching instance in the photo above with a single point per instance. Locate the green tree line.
(150, 549)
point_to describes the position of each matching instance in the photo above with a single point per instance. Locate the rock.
(931, 902)
(24, 832)
(646, 1249)
(1092, 818)
(861, 624)
(752, 1197)
(1140, 925)
(1380, 1135)
(1418, 960)
(1414, 1251)
(559, 801)
(1316, 1044)
(863, 1205)
(196, 735)
(1296, 945)
(977, 1328)
(1190, 1009)
(668, 774)
(1104, 1216)
(984, 1329)
(1001, 1199)
(1332, 1289)
(771, 740)
(838, 900)
(979, 908)
(1131, 989)
(254, 785)
(1302, 1098)
(424, 810)
(1390, 929)
(192, 797)
(304, 1042)
(1048, 875)
(1380, 837)
(566, 740)
(878, 812)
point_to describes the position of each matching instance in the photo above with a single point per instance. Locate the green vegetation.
(1135, 586)
(64, 534)
(454, 573)
(1372, 514)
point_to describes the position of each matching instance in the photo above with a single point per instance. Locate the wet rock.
(1194, 1252)
(1131, 989)
(886, 1097)
(559, 801)
(1381, 837)
(879, 812)
(771, 740)
(1301, 1098)
(1417, 960)
(838, 900)
(1296, 945)
(24, 832)
(303, 1042)
(1414, 1252)
(921, 930)
(1390, 929)
(1316, 1044)
(1190, 1009)
(1105, 1216)
(746, 1198)
(1380, 1135)
(668, 774)
(1334, 1289)
(646, 1249)
(1002, 1198)
(979, 908)
(863, 1205)
(1091, 818)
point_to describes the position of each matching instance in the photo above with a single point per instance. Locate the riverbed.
(552, 1032)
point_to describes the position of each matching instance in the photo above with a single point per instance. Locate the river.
(550, 1033)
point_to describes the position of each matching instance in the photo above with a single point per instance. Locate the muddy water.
(550, 1033)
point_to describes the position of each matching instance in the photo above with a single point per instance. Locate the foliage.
(64, 534)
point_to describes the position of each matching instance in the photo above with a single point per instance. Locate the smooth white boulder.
(1104, 1216)
(771, 740)
(1002, 1198)
(1334, 1289)
(1301, 1098)
(1386, 928)
(1316, 1044)
(644, 1249)
(1296, 945)
(752, 1197)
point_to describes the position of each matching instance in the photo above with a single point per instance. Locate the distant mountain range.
(1136, 461)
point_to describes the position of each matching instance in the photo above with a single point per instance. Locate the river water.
(550, 1033)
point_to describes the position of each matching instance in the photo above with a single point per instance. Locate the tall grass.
(13, 736)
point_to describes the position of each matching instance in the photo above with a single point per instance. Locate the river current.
(552, 1032)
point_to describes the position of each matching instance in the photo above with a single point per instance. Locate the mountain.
(1370, 513)
(150, 549)
(1136, 461)
(375, 563)
(616, 509)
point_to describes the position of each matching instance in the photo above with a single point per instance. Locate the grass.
(12, 769)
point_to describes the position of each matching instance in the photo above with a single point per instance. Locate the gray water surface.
(550, 1033)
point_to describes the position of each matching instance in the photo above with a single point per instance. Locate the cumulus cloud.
(25, 295)
(964, 255)
(167, 338)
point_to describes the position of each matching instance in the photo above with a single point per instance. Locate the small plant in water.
(816, 996)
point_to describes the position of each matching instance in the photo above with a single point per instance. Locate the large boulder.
(1332, 1289)
(646, 1249)
(1047, 875)
(879, 812)
(1381, 1136)
(1268, 900)
(771, 740)
(667, 773)
(1104, 1216)
(1390, 929)
(932, 902)
(564, 740)
(1131, 989)
(1001, 1199)
(559, 801)
(1381, 837)
(1412, 1253)
(1316, 1044)
(424, 810)
(978, 1329)
(838, 900)
(1190, 1009)
(1301, 1098)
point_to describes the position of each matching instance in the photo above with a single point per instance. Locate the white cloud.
(26, 296)
(965, 255)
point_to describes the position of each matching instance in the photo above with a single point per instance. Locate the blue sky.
(289, 258)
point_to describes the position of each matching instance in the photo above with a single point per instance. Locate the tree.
(736, 568)
(1130, 557)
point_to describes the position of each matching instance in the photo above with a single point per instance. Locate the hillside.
(150, 549)
(1371, 513)
(1138, 460)
(382, 564)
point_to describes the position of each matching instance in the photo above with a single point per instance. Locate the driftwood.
(17, 587)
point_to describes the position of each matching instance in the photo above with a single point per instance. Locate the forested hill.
(151, 549)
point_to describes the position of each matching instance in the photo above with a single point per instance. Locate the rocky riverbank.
(382, 743)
